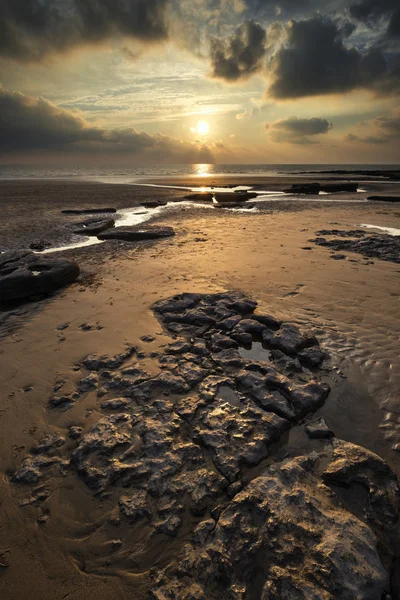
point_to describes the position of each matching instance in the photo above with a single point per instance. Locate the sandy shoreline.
(351, 304)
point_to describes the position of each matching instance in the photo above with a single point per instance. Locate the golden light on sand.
(202, 128)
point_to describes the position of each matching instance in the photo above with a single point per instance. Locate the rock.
(95, 362)
(23, 275)
(234, 198)
(334, 188)
(338, 256)
(115, 404)
(137, 233)
(65, 401)
(200, 197)
(89, 211)
(151, 203)
(135, 507)
(288, 339)
(236, 435)
(351, 465)
(49, 443)
(278, 539)
(304, 188)
(39, 245)
(318, 429)
(384, 247)
(312, 357)
(88, 383)
(385, 198)
(147, 339)
(75, 432)
(95, 228)
(221, 342)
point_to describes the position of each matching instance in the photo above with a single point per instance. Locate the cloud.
(241, 55)
(31, 29)
(29, 124)
(380, 130)
(297, 131)
(316, 61)
(370, 11)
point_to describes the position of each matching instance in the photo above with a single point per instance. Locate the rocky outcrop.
(316, 188)
(381, 246)
(24, 275)
(200, 197)
(185, 452)
(89, 211)
(234, 198)
(384, 198)
(136, 233)
(95, 228)
(287, 536)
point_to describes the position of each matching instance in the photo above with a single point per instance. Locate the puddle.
(257, 352)
(229, 395)
(389, 230)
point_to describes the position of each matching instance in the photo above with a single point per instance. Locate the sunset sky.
(199, 81)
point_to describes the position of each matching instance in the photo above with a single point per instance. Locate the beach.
(71, 544)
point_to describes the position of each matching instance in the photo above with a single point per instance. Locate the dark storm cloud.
(241, 55)
(28, 123)
(29, 29)
(370, 11)
(297, 131)
(316, 61)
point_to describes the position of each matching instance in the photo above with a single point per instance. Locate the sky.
(199, 81)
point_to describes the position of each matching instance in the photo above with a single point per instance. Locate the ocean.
(133, 172)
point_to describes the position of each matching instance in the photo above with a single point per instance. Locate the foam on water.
(389, 230)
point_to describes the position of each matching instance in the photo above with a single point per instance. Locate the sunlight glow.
(202, 170)
(202, 127)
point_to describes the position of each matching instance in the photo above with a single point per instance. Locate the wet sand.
(352, 304)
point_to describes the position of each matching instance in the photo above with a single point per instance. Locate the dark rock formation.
(234, 198)
(382, 246)
(24, 275)
(136, 233)
(279, 539)
(95, 228)
(318, 429)
(200, 197)
(89, 211)
(316, 188)
(177, 450)
(385, 198)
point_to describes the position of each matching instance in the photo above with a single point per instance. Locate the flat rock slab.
(134, 234)
(385, 198)
(24, 274)
(89, 211)
(381, 246)
(95, 228)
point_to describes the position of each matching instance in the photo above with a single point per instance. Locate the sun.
(202, 128)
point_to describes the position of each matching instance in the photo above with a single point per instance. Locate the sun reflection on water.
(202, 170)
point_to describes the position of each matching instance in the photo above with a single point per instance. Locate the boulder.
(95, 228)
(136, 233)
(24, 274)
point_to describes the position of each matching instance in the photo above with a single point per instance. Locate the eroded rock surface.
(136, 233)
(381, 246)
(24, 275)
(175, 447)
(286, 536)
